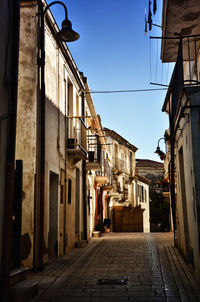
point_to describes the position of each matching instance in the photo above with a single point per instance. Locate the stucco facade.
(97, 173)
(65, 210)
(152, 170)
(9, 50)
(182, 103)
(142, 200)
(129, 190)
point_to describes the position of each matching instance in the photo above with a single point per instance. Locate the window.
(69, 191)
(98, 202)
(131, 164)
(142, 194)
(61, 193)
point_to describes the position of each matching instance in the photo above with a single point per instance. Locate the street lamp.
(160, 152)
(66, 34)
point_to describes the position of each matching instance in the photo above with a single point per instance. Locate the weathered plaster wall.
(26, 121)
(195, 129)
(182, 209)
(55, 132)
(144, 171)
(71, 208)
(57, 76)
(123, 153)
(145, 206)
(4, 97)
(187, 205)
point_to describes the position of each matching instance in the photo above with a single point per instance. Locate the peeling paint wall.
(121, 162)
(6, 80)
(27, 122)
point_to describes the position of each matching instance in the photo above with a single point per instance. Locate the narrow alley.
(99, 151)
(120, 267)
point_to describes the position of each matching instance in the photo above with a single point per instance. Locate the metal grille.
(119, 281)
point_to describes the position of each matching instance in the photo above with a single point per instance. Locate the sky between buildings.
(114, 54)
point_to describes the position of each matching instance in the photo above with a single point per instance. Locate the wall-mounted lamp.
(160, 152)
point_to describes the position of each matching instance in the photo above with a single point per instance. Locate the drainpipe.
(65, 187)
(41, 63)
(10, 160)
(172, 182)
(84, 177)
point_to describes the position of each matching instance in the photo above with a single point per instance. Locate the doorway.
(77, 218)
(127, 219)
(184, 203)
(53, 216)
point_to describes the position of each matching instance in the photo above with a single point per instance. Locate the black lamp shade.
(67, 34)
(157, 150)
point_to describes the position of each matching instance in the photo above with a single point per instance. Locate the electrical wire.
(162, 74)
(167, 75)
(124, 91)
(156, 62)
(150, 59)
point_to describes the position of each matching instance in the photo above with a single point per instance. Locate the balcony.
(102, 180)
(94, 153)
(179, 19)
(185, 77)
(120, 166)
(76, 142)
(166, 190)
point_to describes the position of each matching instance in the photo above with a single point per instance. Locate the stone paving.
(120, 267)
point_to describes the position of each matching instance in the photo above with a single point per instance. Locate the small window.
(61, 193)
(69, 191)
(142, 194)
(98, 202)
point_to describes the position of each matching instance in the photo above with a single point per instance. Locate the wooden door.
(127, 219)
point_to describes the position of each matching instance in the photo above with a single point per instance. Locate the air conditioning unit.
(71, 143)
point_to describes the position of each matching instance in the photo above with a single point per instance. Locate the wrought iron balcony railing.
(76, 142)
(186, 71)
(94, 153)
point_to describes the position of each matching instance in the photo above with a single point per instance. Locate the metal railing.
(77, 134)
(186, 71)
(94, 148)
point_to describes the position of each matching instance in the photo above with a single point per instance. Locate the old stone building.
(97, 174)
(160, 219)
(52, 225)
(152, 170)
(63, 133)
(182, 103)
(128, 201)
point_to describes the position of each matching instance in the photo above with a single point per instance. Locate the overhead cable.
(124, 91)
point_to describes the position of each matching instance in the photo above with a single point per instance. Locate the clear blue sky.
(114, 54)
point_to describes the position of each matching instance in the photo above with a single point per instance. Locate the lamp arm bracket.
(56, 2)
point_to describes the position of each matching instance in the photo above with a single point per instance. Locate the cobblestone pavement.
(120, 267)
